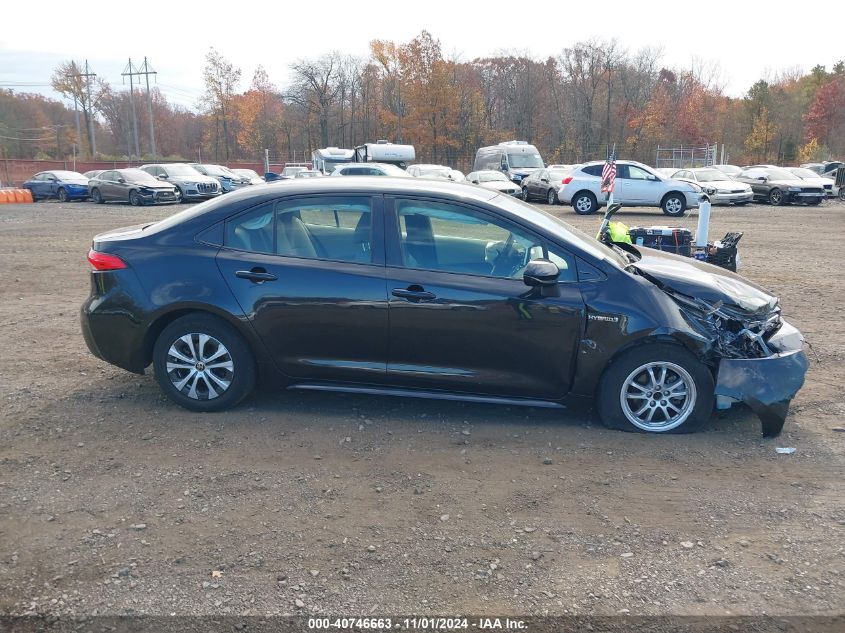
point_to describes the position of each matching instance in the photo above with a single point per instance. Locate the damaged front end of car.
(759, 358)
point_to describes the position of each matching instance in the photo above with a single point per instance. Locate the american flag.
(608, 174)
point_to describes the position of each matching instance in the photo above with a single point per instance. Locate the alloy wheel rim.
(584, 204)
(199, 366)
(673, 205)
(551, 196)
(775, 196)
(658, 396)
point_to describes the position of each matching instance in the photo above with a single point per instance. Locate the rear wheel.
(62, 195)
(525, 193)
(551, 197)
(656, 388)
(203, 364)
(776, 197)
(842, 193)
(584, 203)
(674, 205)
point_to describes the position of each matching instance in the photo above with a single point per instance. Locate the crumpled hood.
(705, 281)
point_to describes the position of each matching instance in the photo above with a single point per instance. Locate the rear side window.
(593, 170)
(335, 228)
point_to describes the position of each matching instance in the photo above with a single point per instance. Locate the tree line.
(573, 106)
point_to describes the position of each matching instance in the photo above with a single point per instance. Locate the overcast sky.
(743, 41)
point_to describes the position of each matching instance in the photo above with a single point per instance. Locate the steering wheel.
(509, 259)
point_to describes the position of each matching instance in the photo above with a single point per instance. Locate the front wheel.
(62, 195)
(776, 197)
(656, 388)
(525, 194)
(585, 203)
(674, 205)
(842, 193)
(203, 364)
(551, 197)
(96, 196)
(134, 199)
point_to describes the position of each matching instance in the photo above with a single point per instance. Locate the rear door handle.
(257, 275)
(414, 295)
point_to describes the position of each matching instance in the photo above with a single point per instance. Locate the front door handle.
(258, 275)
(414, 293)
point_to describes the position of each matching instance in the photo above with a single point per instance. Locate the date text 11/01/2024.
(422, 623)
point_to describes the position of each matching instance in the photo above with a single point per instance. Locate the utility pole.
(147, 72)
(90, 118)
(131, 72)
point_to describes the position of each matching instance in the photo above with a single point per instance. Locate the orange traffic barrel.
(4, 196)
(27, 195)
(18, 195)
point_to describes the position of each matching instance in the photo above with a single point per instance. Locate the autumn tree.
(221, 78)
(68, 80)
(260, 111)
(763, 131)
(825, 119)
(316, 88)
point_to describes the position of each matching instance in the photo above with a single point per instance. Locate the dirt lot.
(113, 500)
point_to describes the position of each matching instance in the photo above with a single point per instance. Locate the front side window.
(635, 173)
(335, 228)
(450, 238)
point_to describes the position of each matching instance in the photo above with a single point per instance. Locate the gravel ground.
(115, 501)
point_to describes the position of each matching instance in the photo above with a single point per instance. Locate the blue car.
(64, 185)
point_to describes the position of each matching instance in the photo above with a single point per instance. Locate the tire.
(551, 197)
(180, 351)
(584, 203)
(34, 197)
(96, 196)
(134, 198)
(628, 375)
(181, 195)
(842, 193)
(525, 194)
(62, 195)
(674, 204)
(775, 197)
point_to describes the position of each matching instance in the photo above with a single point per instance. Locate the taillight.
(104, 261)
(567, 180)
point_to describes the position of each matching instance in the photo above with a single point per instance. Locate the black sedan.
(438, 290)
(778, 186)
(134, 186)
(543, 184)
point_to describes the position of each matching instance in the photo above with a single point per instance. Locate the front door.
(309, 274)
(639, 186)
(461, 318)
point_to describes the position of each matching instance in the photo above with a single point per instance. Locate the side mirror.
(546, 180)
(653, 178)
(540, 272)
(475, 182)
(162, 176)
(762, 178)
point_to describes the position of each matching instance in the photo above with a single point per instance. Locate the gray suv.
(191, 184)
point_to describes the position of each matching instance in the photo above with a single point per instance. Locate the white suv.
(637, 185)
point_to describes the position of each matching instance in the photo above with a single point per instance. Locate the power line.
(87, 74)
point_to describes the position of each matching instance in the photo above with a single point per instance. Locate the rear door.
(461, 318)
(308, 272)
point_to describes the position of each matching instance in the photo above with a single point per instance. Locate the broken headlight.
(734, 332)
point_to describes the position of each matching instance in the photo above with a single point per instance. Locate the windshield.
(525, 161)
(709, 175)
(434, 171)
(567, 233)
(68, 175)
(780, 174)
(558, 174)
(330, 165)
(181, 170)
(492, 176)
(137, 175)
(804, 173)
(217, 170)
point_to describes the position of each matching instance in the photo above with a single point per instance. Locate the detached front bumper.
(766, 385)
